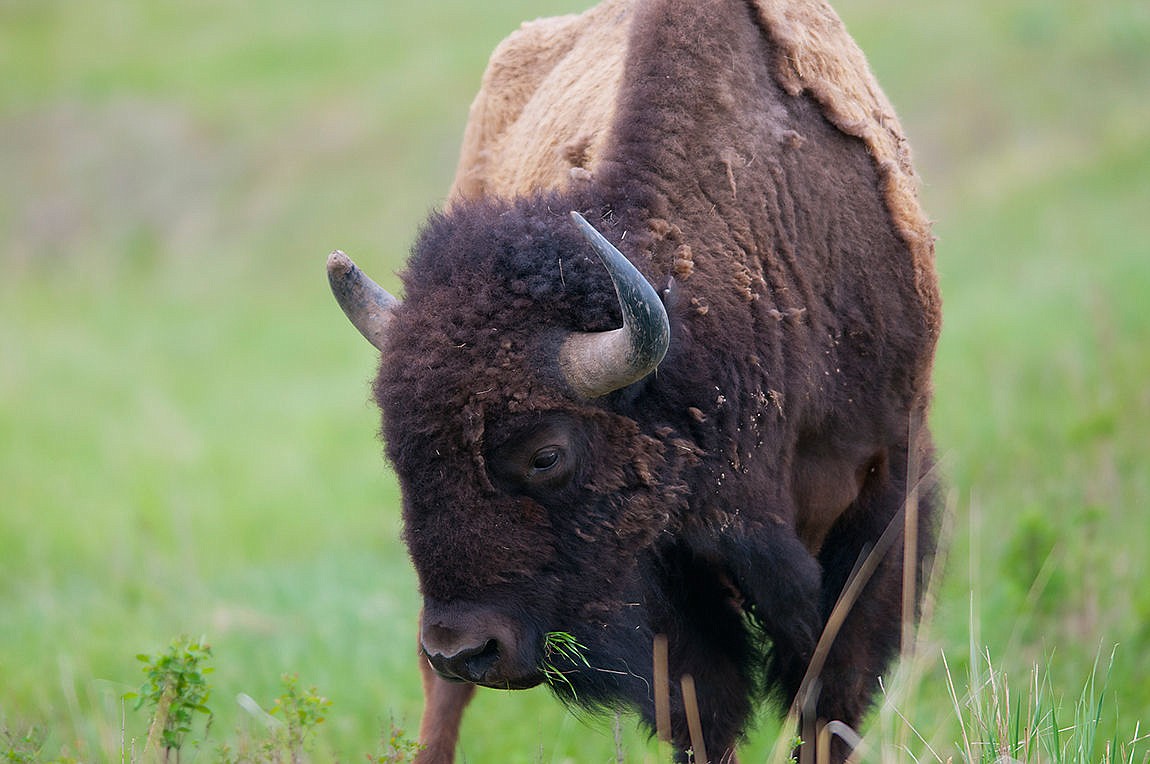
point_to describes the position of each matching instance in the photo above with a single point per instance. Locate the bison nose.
(477, 646)
(458, 656)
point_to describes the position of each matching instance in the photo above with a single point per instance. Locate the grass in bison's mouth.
(561, 646)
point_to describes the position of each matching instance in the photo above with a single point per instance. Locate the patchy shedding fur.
(740, 154)
(816, 55)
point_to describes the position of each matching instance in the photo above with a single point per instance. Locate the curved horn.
(596, 363)
(365, 302)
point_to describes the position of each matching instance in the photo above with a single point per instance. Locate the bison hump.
(544, 116)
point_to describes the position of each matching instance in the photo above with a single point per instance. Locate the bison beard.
(724, 498)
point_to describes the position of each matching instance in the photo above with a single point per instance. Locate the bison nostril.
(481, 660)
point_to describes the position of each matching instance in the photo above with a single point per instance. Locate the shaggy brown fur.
(741, 155)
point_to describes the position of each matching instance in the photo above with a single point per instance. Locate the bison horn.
(365, 302)
(596, 363)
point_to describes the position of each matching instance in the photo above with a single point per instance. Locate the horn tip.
(338, 263)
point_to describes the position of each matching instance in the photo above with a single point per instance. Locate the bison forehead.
(492, 264)
(491, 291)
(434, 405)
(445, 367)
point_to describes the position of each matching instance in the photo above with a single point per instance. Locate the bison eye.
(538, 458)
(544, 459)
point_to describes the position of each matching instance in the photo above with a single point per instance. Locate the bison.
(661, 373)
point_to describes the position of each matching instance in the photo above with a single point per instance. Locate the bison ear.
(365, 302)
(597, 363)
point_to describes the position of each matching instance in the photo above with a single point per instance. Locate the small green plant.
(292, 720)
(560, 645)
(398, 747)
(176, 690)
(796, 742)
(22, 747)
(302, 712)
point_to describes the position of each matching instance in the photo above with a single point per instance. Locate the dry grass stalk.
(662, 690)
(694, 723)
(910, 538)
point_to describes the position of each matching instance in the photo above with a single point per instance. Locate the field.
(186, 441)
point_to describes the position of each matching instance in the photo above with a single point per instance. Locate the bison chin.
(480, 645)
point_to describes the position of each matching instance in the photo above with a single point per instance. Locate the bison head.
(507, 383)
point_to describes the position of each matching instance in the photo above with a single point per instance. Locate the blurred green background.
(186, 441)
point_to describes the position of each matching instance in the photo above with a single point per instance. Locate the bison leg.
(870, 635)
(707, 638)
(722, 692)
(781, 586)
(443, 704)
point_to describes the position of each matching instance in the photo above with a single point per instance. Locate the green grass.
(186, 443)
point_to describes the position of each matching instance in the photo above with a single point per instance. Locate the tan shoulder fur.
(541, 115)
